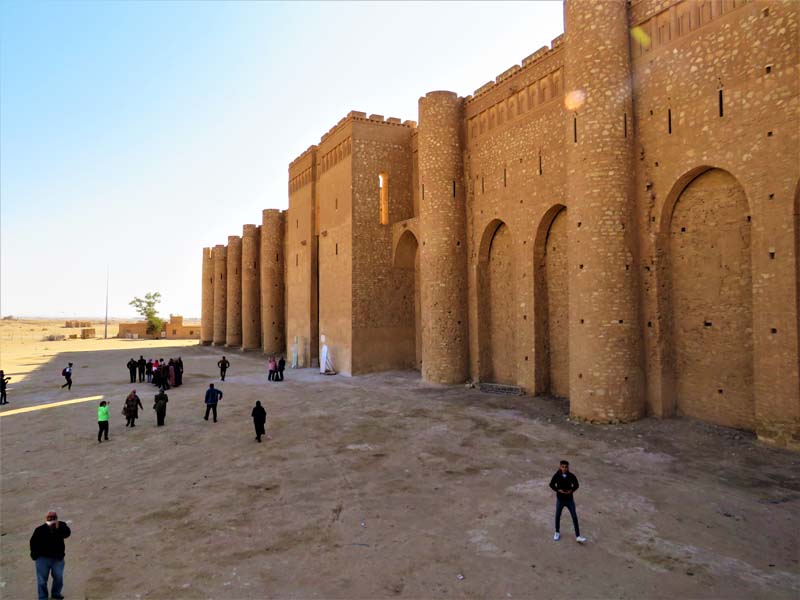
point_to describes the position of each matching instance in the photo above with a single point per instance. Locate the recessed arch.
(407, 285)
(706, 294)
(497, 305)
(551, 304)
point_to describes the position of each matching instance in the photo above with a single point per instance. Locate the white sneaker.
(556, 536)
(580, 539)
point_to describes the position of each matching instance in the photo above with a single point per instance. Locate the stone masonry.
(614, 220)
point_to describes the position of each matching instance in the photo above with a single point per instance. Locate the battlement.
(541, 54)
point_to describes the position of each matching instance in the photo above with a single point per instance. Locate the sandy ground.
(375, 487)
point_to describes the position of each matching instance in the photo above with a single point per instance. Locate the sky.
(134, 134)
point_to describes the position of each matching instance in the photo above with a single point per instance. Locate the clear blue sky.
(133, 134)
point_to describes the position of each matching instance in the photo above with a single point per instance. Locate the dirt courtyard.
(375, 487)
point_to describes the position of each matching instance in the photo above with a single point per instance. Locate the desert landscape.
(377, 486)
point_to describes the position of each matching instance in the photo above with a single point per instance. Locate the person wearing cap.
(47, 549)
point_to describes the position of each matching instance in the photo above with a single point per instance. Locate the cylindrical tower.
(605, 367)
(207, 306)
(273, 328)
(443, 249)
(233, 333)
(219, 256)
(251, 289)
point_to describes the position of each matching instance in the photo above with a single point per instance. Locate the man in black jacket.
(142, 364)
(47, 549)
(564, 485)
(132, 369)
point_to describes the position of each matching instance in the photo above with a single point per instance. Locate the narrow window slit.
(721, 111)
(669, 120)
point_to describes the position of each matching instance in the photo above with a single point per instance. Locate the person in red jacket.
(564, 484)
(47, 549)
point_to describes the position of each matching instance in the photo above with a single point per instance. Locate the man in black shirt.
(47, 549)
(132, 369)
(142, 364)
(223, 366)
(564, 485)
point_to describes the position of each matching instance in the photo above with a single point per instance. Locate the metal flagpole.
(105, 331)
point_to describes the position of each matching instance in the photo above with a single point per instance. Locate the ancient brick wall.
(251, 288)
(207, 306)
(383, 313)
(301, 259)
(219, 254)
(613, 220)
(233, 327)
(273, 268)
(335, 192)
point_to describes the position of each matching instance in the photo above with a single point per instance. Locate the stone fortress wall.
(614, 220)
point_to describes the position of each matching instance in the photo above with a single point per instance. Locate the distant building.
(174, 329)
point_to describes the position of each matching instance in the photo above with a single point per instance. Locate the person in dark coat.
(132, 366)
(3, 386)
(132, 406)
(564, 484)
(164, 374)
(148, 370)
(66, 373)
(178, 372)
(212, 397)
(142, 364)
(281, 368)
(259, 415)
(47, 549)
(160, 406)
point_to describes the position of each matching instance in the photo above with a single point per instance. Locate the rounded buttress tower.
(207, 306)
(443, 251)
(251, 289)
(606, 380)
(233, 332)
(219, 255)
(272, 318)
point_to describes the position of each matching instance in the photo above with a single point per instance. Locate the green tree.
(147, 308)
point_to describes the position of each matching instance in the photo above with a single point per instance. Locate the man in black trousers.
(132, 365)
(564, 484)
(223, 367)
(141, 363)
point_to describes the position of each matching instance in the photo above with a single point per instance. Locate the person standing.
(259, 415)
(212, 397)
(148, 370)
(102, 420)
(178, 372)
(66, 373)
(564, 484)
(132, 369)
(171, 371)
(273, 369)
(132, 406)
(47, 549)
(281, 368)
(3, 387)
(142, 364)
(160, 406)
(223, 367)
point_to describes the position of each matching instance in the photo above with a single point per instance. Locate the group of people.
(156, 371)
(276, 368)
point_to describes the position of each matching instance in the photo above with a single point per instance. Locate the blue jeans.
(569, 504)
(44, 566)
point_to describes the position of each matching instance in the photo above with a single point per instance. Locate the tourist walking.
(212, 397)
(47, 549)
(132, 366)
(131, 409)
(564, 484)
(142, 364)
(281, 367)
(66, 373)
(259, 415)
(273, 369)
(160, 406)
(223, 367)
(102, 420)
(3, 387)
